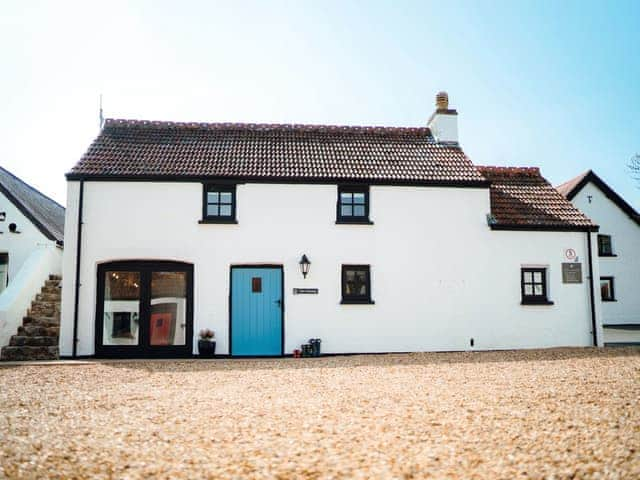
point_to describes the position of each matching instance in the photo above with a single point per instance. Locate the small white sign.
(570, 253)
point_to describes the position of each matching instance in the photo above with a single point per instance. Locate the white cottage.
(176, 227)
(31, 238)
(618, 254)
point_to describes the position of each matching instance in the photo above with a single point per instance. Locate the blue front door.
(256, 311)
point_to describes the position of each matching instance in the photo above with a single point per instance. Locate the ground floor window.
(606, 289)
(356, 284)
(144, 308)
(533, 286)
(4, 270)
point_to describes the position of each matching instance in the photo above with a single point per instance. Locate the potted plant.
(207, 343)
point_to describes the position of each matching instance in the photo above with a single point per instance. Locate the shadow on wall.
(373, 360)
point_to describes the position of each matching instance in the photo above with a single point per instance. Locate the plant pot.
(206, 348)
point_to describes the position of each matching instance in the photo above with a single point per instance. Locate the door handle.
(279, 302)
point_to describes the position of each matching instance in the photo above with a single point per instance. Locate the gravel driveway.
(562, 413)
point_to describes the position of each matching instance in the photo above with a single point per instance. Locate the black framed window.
(606, 289)
(356, 284)
(353, 204)
(533, 286)
(144, 309)
(4, 271)
(219, 204)
(605, 248)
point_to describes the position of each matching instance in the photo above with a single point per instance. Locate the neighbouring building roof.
(571, 188)
(521, 198)
(568, 189)
(46, 214)
(260, 152)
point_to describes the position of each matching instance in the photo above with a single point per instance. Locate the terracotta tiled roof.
(567, 187)
(132, 148)
(522, 198)
(46, 214)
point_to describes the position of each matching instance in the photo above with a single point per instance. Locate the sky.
(553, 84)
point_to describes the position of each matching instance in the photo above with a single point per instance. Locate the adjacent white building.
(185, 226)
(31, 238)
(618, 251)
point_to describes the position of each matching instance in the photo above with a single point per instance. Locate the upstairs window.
(353, 204)
(533, 285)
(606, 289)
(219, 204)
(356, 284)
(604, 246)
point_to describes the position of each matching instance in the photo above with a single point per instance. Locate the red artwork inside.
(162, 324)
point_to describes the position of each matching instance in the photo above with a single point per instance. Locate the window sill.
(221, 220)
(536, 302)
(354, 222)
(609, 300)
(357, 302)
(607, 255)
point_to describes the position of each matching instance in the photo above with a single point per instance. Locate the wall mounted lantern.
(304, 266)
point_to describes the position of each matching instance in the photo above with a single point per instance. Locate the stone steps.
(48, 298)
(37, 331)
(51, 286)
(44, 309)
(37, 337)
(30, 353)
(41, 321)
(46, 341)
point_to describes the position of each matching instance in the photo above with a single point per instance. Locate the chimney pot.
(444, 121)
(442, 101)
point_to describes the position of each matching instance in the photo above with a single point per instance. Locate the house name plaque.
(307, 291)
(572, 272)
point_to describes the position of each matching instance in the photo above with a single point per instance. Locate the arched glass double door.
(144, 309)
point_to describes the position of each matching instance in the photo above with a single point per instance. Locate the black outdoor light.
(304, 266)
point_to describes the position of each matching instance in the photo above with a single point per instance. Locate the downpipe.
(591, 291)
(74, 353)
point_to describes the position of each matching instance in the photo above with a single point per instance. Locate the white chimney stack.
(444, 121)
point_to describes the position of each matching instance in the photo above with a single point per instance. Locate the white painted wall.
(18, 245)
(32, 258)
(16, 299)
(625, 267)
(440, 276)
(444, 127)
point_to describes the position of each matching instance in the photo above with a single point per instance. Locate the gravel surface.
(561, 413)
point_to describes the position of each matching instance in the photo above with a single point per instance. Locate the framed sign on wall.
(572, 273)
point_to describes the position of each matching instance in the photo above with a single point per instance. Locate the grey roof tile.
(46, 214)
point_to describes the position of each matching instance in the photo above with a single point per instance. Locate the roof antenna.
(101, 116)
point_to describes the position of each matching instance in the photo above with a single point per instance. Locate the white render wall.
(625, 267)
(440, 276)
(17, 297)
(21, 245)
(32, 258)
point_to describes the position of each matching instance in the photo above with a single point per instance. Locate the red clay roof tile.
(522, 197)
(260, 151)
